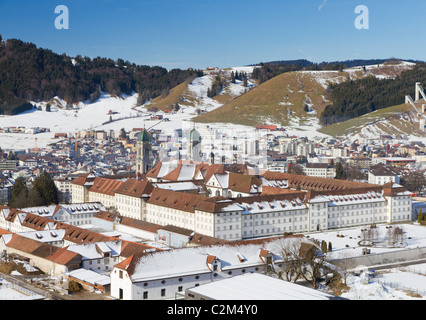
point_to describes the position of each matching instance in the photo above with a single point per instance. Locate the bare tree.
(414, 182)
(346, 263)
(294, 168)
(302, 260)
(313, 261)
(291, 267)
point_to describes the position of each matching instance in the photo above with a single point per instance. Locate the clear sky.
(223, 33)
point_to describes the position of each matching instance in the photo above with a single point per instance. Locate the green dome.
(144, 136)
(194, 135)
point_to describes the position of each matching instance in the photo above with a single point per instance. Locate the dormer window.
(213, 263)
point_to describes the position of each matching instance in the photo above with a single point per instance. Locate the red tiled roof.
(135, 188)
(316, 183)
(3, 231)
(31, 246)
(242, 183)
(105, 186)
(185, 201)
(80, 180)
(64, 257)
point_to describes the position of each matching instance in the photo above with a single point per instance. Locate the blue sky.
(200, 33)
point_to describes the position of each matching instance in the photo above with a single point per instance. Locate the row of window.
(145, 294)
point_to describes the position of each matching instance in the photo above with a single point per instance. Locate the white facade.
(382, 179)
(65, 189)
(128, 206)
(79, 194)
(162, 275)
(321, 172)
(267, 218)
(199, 221)
(107, 200)
(99, 257)
(72, 214)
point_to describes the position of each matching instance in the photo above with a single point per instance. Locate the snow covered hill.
(282, 100)
(109, 113)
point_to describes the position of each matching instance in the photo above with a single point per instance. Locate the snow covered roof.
(90, 277)
(187, 261)
(177, 186)
(96, 250)
(339, 200)
(255, 286)
(45, 235)
(271, 206)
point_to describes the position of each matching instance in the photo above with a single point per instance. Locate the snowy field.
(405, 283)
(402, 283)
(414, 236)
(127, 114)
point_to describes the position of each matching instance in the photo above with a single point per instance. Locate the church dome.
(144, 136)
(194, 135)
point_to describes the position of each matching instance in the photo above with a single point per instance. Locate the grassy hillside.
(194, 93)
(289, 95)
(178, 94)
(394, 120)
(298, 98)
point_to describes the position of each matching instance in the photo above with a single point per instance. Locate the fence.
(398, 257)
(24, 287)
(17, 287)
(398, 286)
(412, 269)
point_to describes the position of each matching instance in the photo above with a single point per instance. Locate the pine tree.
(34, 198)
(245, 81)
(19, 194)
(330, 247)
(324, 246)
(340, 172)
(123, 134)
(43, 191)
(420, 216)
(233, 77)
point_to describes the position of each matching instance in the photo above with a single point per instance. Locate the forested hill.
(352, 99)
(272, 69)
(28, 73)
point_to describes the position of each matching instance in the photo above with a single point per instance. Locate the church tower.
(194, 145)
(144, 156)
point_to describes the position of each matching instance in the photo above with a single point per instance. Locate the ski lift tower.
(420, 115)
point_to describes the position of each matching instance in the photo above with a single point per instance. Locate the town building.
(163, 275)
(255, 286)
(381, 174)
(131, 196)
(322, 170)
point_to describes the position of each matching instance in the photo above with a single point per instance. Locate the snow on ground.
(126, 114)
(86, 116)
(392, 284)
(198, 88)
(360, 290)
(404, 283)
(348, 245)
(247, 70)
(325, 77)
